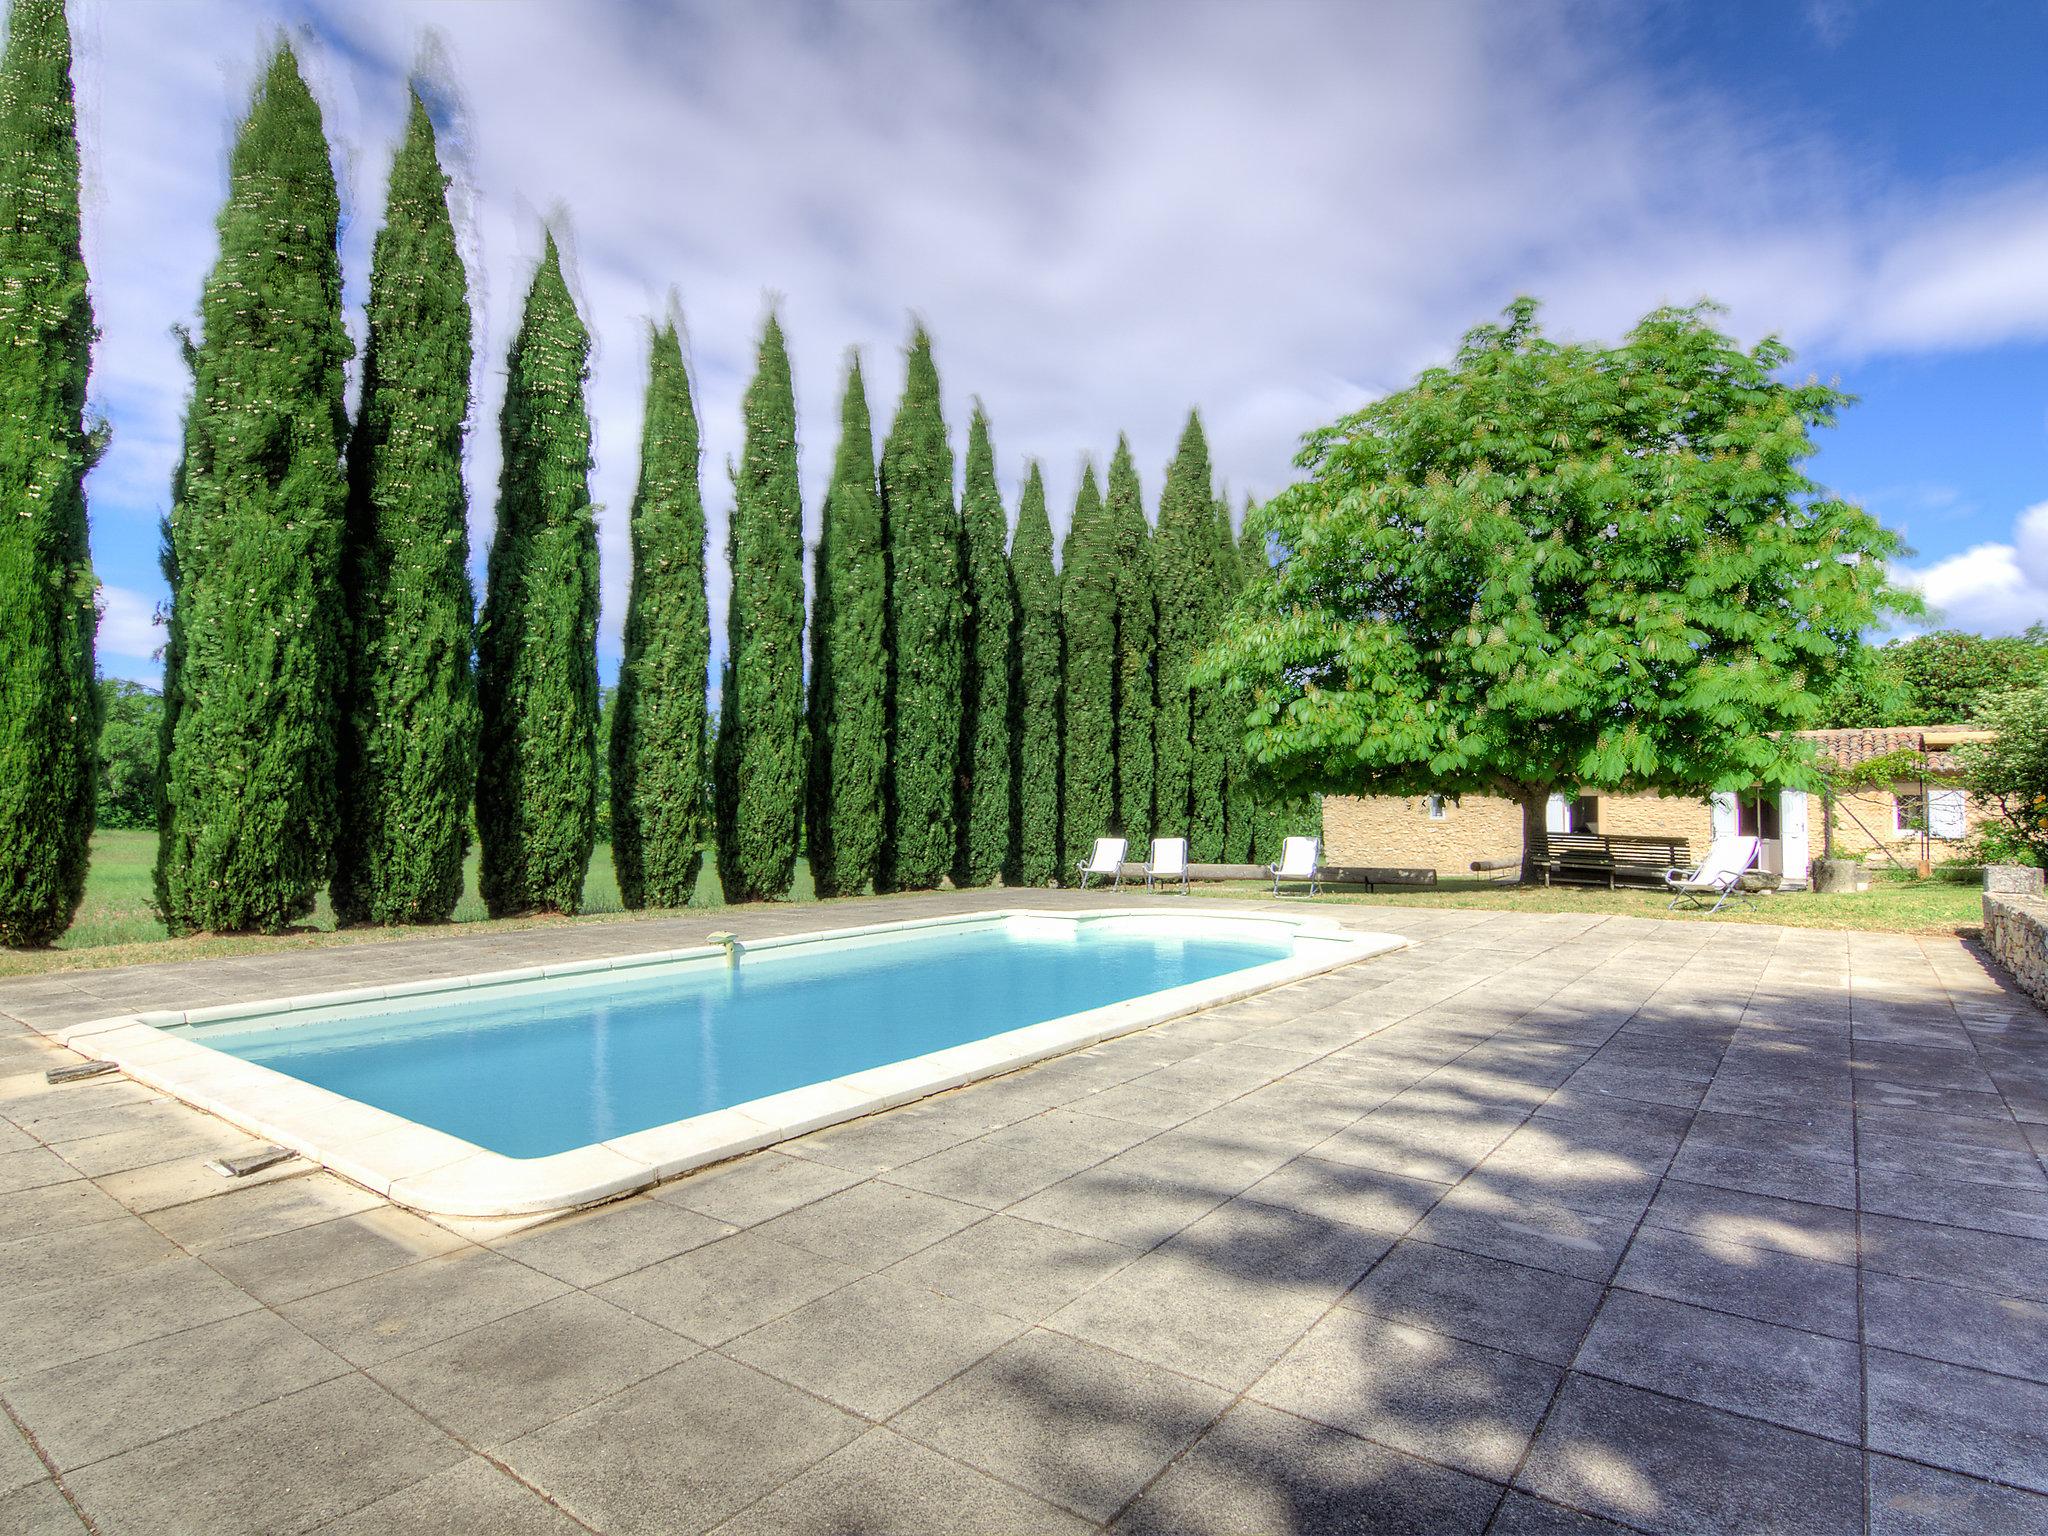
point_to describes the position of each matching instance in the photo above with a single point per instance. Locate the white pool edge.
(443, 1175)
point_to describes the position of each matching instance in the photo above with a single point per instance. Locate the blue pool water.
(535, 1071)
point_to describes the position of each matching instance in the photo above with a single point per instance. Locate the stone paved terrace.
(1546, 1223)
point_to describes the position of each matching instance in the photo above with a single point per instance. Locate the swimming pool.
(533, 1090)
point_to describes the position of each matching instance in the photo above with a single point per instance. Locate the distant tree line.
(337, 712)
(1944, 677)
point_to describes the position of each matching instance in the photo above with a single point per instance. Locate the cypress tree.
(256, 535)
(536, 793)
(764, 739)
(409, 723)
(1219, 737)
(849, 665)
(660, 817)
(926, 611)
(986, 833)
(1135, 630)
(1088, 623)
(49, 708)
(1035, 692)
(1184, 568)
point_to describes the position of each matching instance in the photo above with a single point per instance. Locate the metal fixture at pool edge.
(730, 942)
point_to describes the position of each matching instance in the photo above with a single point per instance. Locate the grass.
(1893, 904)
(115, 926)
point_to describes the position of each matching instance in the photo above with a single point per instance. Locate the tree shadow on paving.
(1388, 1308)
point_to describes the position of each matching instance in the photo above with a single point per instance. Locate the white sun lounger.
(1107, 860)
(1300, 859)
(1169, 862)
(1718, 878)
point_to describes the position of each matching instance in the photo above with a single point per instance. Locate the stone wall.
(1875, 825)
(2016, 925)
(1393, 831)
(1396, 832)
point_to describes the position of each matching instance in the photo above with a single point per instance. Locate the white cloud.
(1107, 214)
(128, 624)
(1996, 589)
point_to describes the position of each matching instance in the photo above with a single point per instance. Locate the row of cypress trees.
(335, 706)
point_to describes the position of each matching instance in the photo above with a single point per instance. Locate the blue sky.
(1109, 213)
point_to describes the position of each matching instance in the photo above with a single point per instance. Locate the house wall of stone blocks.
(1396, 831)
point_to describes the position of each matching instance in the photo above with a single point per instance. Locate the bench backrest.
(1627, 852)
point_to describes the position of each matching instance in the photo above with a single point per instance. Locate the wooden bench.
(1591, 858)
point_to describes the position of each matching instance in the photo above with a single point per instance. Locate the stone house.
(1914, 814)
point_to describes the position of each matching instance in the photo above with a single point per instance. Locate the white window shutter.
(1792, 851)
(1725, 816)
(1557, 816)
(1947, 813)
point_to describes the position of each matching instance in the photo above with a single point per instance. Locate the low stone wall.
(2016, 925)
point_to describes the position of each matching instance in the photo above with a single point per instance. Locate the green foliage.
(1941, 678)
(131, 719)
(1558, 564)
(409, 724)
(660, 818)
(986, 833)
(49, 710)
(761, 795)
(1088, 623)
(1136, 624)
(1184, 569)
(536, 793)
(2010, 774)
(849, 666)
(1035, 686)
(926, 614)
(256, 531)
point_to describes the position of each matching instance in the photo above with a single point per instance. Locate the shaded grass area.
(1893, 904)
(117, 926)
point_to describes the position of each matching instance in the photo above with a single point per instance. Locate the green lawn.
(1893, 904)
(115, 926)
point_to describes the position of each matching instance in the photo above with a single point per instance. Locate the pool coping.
(441, 1174)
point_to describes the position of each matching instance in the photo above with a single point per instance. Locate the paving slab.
(1077, 1425)
(875, 1346)
(1458, 1404)
(1533, 1312)
(497, 1382)
(1663, 1465)
(470, 1497)
(1260, 1470)
(1786, 1376)
(288, 1465)
(1958, 1418)
(681, 1451)
(717, 1292)
(883, 1482)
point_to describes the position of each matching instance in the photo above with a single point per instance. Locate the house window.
(1586, 813)
(1434, 804)
(1756, 815)
(1941, 813)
